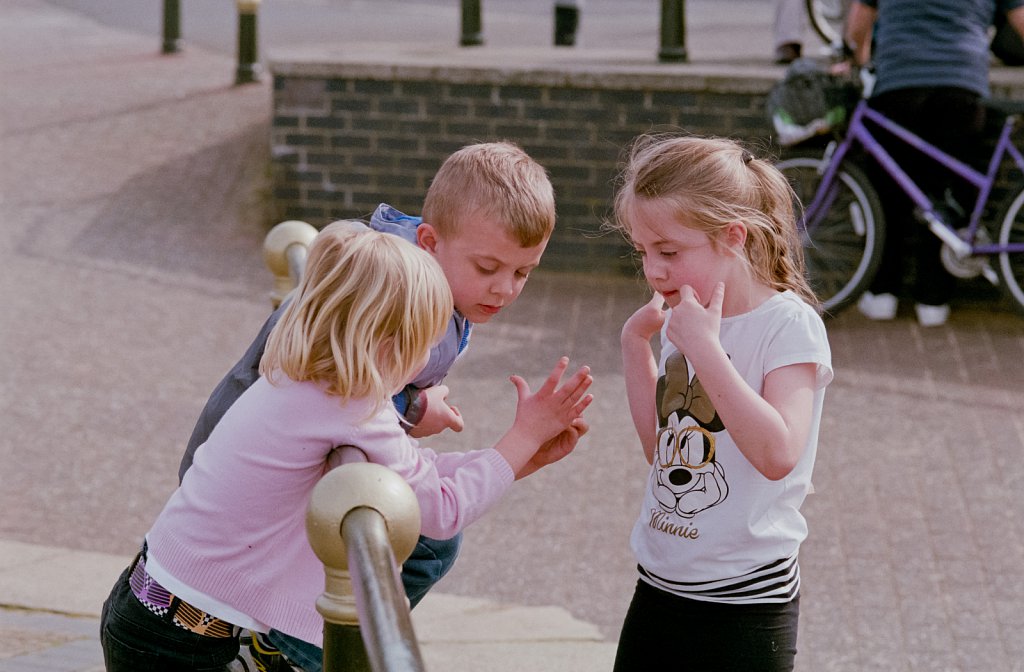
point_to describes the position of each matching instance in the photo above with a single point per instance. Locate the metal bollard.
(363, 519)
(472, 27)
(284, 253)
(567, 21)
(172, 27)
(249, 69)
(673, 31)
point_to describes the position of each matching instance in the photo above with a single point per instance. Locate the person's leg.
(754, 637)
(896, 206)
(300, 654)
(643, 625)
(789, 28)
(958, 131)
(430, 560)
(665, 631)
(134, 638)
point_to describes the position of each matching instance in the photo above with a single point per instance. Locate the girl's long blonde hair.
(710, 183)
(369, 308)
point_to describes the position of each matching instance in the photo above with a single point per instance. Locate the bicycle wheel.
(843, 248)
(827, 18)
(1011, 230)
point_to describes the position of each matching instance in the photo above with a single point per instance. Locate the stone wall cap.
(602, 69)
(633, 69)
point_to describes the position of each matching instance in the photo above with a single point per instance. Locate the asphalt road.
(519, 23)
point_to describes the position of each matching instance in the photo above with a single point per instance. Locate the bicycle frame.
(859, 133)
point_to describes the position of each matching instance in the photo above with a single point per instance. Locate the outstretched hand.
(546, 413)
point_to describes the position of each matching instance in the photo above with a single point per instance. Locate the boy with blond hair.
(487, 218)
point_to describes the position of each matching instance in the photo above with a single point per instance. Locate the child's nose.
(504, 286)
(653, 269)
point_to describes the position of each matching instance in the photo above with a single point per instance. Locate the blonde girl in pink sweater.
(229, 549)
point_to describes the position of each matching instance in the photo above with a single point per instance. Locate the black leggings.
(667, 633)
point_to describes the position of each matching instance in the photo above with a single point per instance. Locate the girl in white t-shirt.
(727, 414)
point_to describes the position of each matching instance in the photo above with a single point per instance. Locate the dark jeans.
(134, 638)
(430, 560)
(667, 632)
(953, 120)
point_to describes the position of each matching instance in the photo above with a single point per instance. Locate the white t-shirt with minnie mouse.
(711, 526)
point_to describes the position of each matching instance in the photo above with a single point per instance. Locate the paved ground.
(132, 188)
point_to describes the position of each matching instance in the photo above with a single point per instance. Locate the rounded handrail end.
(355, 485)
(280, 238)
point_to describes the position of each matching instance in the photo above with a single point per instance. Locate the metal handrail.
(363, 519)
(388, 635)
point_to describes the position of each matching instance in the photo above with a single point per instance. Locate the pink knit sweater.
(235, 529)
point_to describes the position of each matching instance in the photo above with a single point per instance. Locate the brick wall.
(348, 135)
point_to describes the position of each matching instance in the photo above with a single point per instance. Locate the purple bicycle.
(844, 228)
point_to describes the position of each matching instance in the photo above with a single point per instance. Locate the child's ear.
(735, 235)
(426, 237)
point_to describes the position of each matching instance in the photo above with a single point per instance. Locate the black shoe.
(265, 657)
(787, 53)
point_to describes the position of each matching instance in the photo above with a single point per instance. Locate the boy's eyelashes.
(520, 274)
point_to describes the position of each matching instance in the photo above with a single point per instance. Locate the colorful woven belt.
(161, 602)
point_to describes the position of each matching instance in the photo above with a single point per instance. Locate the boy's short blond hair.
(496, 179)
(369, 308)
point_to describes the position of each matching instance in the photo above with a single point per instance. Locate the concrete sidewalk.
(51, 598)
(133, 205)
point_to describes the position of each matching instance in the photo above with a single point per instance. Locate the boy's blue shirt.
(246, 371)
(387, 219)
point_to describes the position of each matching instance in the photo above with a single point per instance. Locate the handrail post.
(673, 31)
(363, 520)
(249, 68)
(284, 252)
(472, 25)
(172, 27)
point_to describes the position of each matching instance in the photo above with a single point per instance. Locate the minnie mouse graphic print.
(711, 526)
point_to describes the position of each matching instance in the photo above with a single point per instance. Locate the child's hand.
(553, 450)
(647, 320)
(553, 407)
(544, 414)
(695, 325)
(438, 415)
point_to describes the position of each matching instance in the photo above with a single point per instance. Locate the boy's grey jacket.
(245, 372)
